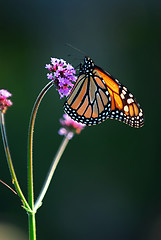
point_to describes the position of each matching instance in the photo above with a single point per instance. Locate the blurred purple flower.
(62, 74)
(49, 75)
(70, 127)
(4, 102)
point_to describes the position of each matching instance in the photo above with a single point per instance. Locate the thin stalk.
(51, 172)
(30, 143)
(31, 218)
(10, 164)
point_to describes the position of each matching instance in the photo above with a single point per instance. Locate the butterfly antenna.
(77, 49)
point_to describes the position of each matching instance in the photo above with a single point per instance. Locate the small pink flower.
(62, 74)
(4, 102)
(4, 94)
(70, 127)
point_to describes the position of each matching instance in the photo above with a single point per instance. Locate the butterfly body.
(97, 96)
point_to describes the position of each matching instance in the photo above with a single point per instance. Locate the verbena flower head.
(62, 74)
(4, 102)
(70, 127)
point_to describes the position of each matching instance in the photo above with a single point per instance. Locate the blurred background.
(108, 183)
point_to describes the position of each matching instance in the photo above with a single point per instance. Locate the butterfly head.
(87, 67)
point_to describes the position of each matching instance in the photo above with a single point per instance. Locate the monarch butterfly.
(97, 96)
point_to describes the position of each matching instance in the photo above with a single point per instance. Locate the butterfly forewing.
(86, 106)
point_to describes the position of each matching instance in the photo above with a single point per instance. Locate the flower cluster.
(4, 102)
(70, 127)
(62, 74)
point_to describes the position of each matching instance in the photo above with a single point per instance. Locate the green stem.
(32, 226)
(32, 222)
(30, 143)
(51, 172)
(10, 164)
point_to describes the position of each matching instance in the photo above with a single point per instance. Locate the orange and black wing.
(124, 106)
(97, 96)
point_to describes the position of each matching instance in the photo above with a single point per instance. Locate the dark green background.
(108, 183)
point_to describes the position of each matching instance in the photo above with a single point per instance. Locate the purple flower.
(4, 102)
(63, 131)
(49, 75)
(48, 66)
(62, 74)
(70, 127)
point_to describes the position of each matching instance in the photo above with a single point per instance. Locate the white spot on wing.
(130, 95)
(130, 100)
(126, 109)
(123, 91)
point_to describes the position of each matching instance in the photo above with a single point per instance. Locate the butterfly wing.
(89, 101)
(124, 106)
(97, 96)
